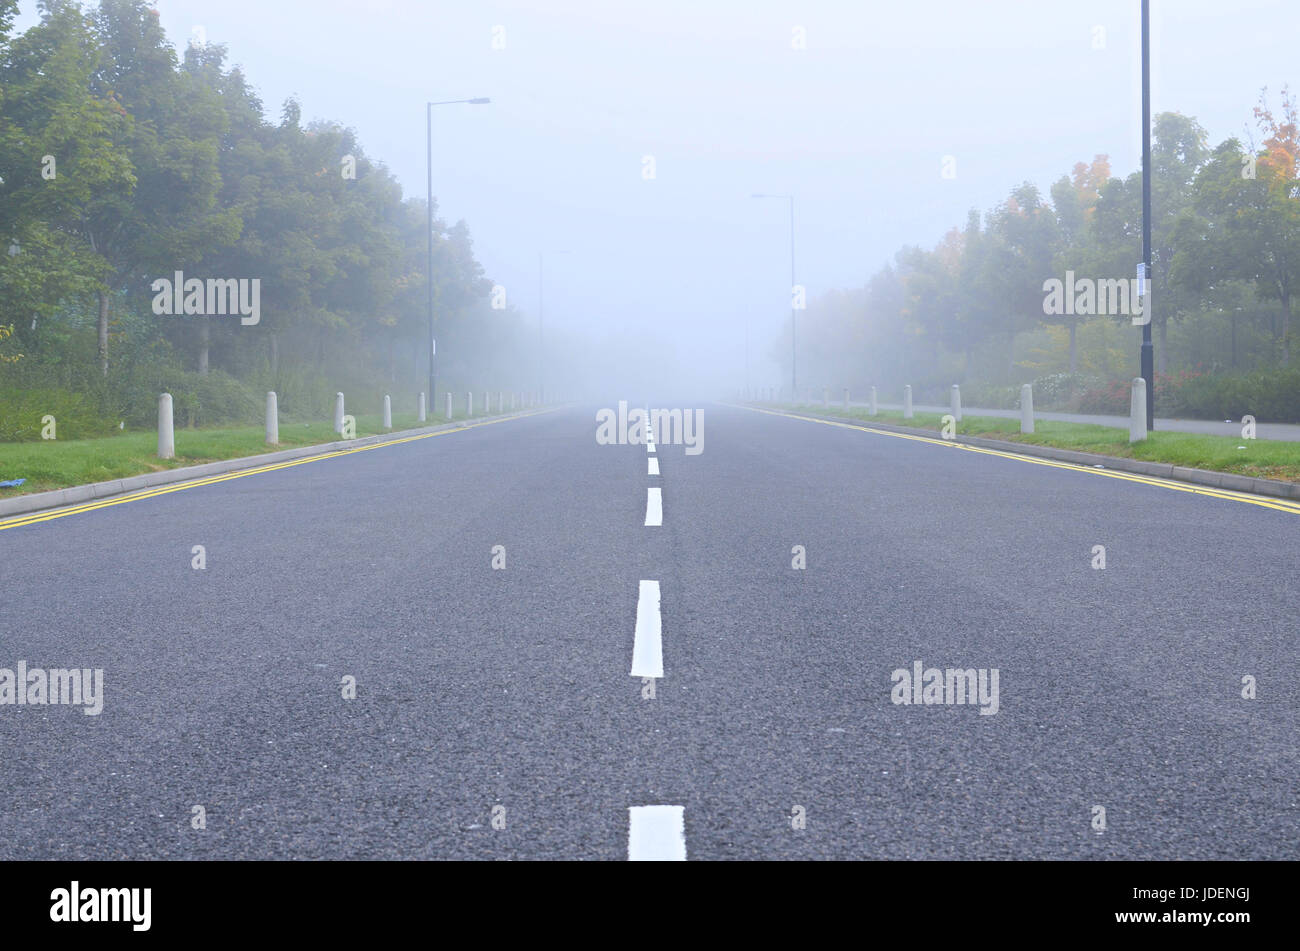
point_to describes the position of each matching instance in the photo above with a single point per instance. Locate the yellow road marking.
(1282, 505)
(150, 493)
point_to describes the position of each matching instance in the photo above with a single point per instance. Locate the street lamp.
(541, 340)
(792, 285)
(428, 117)
(1148, 349)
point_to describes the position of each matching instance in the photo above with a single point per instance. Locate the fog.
(665, 276)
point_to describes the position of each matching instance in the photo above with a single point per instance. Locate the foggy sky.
(856, 126)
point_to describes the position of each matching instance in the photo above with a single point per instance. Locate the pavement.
(495, 713)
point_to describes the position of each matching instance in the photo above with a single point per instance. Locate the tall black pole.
(428, 116)
(793, 390)
(1148, 350)
(541, 334)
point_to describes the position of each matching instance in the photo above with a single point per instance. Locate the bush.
(1061, 390)
(211, 400)
(987, 396)
(1110, 399)
(21, 411)
(1271, 395)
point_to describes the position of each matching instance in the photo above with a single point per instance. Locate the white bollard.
(907, 402)
(388, 412)
(449, 406)
(1026, 409)
(512, 401)
(1137, 424)
(501, 402)
(873, 401)
(338, 413)
(166, 435)
(956, 402)
(272, 418)
(423, 417)
(469, 403)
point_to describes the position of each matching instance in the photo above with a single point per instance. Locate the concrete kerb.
(57, 498)
(1229, 481)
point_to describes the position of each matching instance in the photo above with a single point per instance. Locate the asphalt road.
(478, 688)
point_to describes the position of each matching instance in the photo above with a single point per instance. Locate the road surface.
(496, 715)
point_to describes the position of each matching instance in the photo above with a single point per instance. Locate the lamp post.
(1148, 349)
(428, 118)
(793, 375)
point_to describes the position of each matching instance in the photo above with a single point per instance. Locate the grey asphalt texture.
(479, 687)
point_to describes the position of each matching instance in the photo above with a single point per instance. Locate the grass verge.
(1260, 458)
(60, 463)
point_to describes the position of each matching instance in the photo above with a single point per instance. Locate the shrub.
(1061, 390)
(987, 396)
(21, 411)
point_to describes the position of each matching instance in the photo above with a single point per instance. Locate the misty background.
(663, 279)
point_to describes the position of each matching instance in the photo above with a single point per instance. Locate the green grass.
(60, 463)
(1262, 458)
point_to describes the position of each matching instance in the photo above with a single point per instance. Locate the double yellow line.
(1282, 505)
(238, 474)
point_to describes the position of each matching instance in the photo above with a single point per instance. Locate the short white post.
(873, 401)
(501, 402)
(423, 416)
(338, 413)
(469, 403)
(388, 412)
(449, 407)
(1137, 424)
(956, 402)
(272, 418)
(166, 435)
(1026, 409)
(907, 402)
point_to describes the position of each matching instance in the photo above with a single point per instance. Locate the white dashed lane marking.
(656, 834)
(654, 506)
(647, 642)
(654, 466)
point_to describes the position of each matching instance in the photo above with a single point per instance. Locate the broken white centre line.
(647, 642)
(654, 506)
(656, 834)
(654, 466)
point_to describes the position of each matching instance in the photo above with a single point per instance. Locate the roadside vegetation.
(1258, 458)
